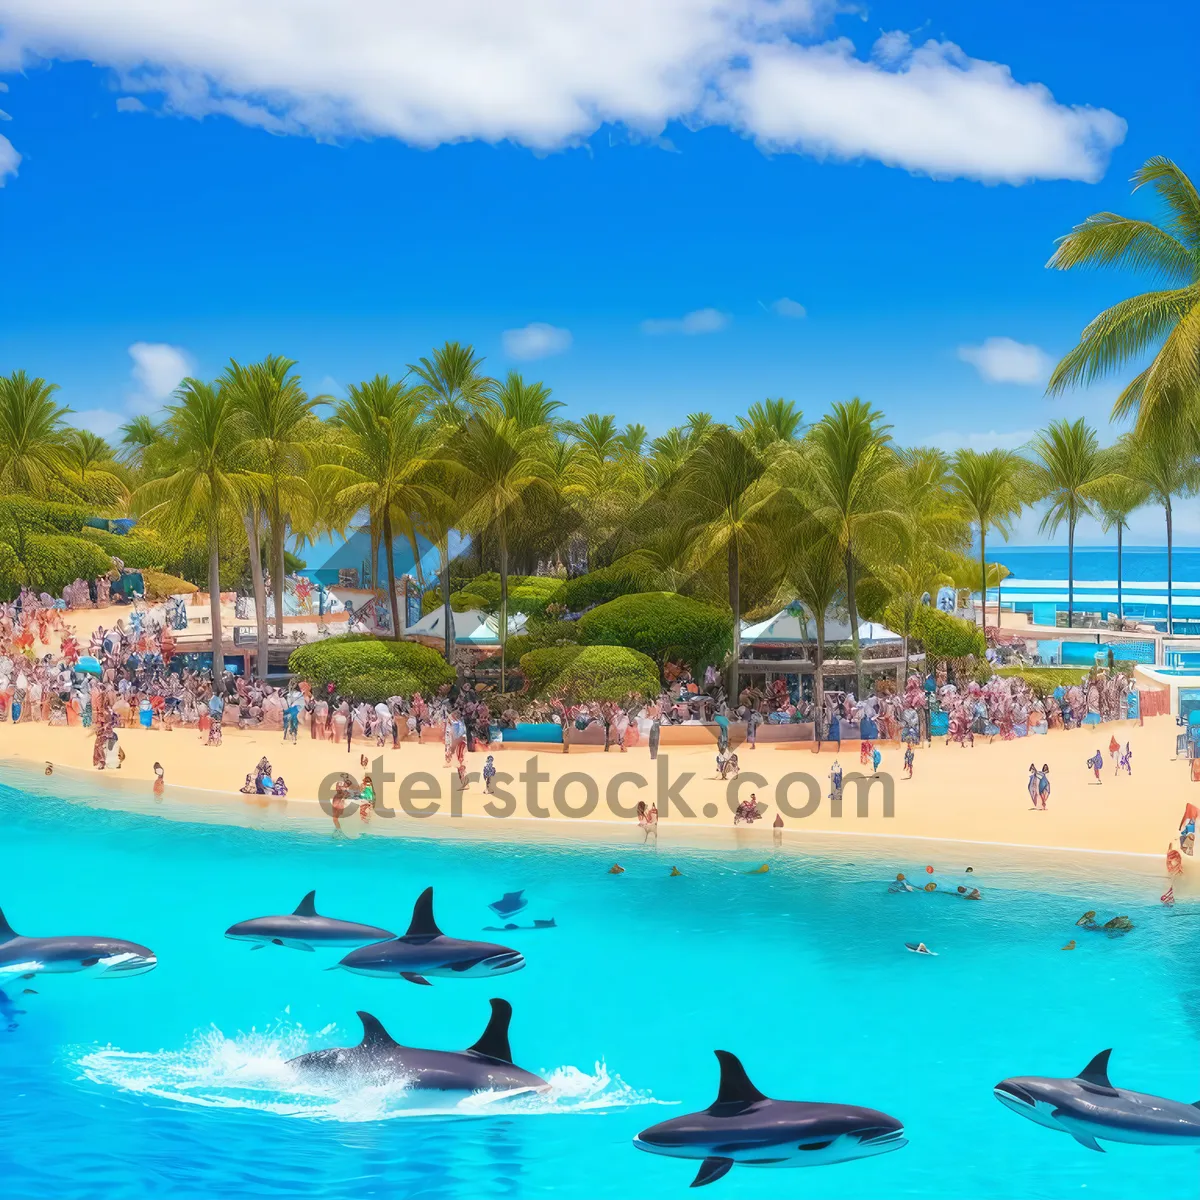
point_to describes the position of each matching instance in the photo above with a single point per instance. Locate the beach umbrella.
(88, 665)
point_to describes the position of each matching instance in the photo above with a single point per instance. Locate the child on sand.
(1114, 749)
(1096, 762)
(908, 761)
(489, 773)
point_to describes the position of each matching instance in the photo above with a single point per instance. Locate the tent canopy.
(470, 628)
(795, 626)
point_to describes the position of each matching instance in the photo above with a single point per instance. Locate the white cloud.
(951, 439)
(784, 307)
(1001, 360)
(101, 421)
(546, 75)
(930, 109)
(537, 340)
(157, 371)
(9, 159)
(701, 320)
(130, 104)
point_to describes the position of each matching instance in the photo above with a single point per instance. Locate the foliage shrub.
(10, 572)
(662, 625)
(370, 666)
(871, 600)
(574, 673)
(462, 601)
(1043, 680)
(53, 560)
(945, 637)
(21, 515)
(160, 585)
(624, 577)
(140, 550)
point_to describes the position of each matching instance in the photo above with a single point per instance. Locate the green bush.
(1043, 680)
(871, 598)
(575, 673)
(160, 585)
(361, 663)
(10, 572)
(624, 577)
(139, 550)
(662, 625)
(53, 560)
(20, 515)
(945, 637)
(462, 601)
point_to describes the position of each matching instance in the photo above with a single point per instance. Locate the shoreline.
(959, 797)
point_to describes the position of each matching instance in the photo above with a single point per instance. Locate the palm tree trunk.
(502, 535)
(1170, 612)
(391, 574)
(214, 604)
(415, 546)
(276, 535)
(262, 657)
(983, 576)
(447, 615)
(1120, 602)
(735, 603)
(1071, 573)
(819, 673)
(852, 609)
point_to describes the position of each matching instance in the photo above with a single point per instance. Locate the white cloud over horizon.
(158, 369)
(783, 307)
(547, 75)
(9, 159)
(951, 440)
(130, 104)
(700, 320)
(536, 340)
(1003, 360)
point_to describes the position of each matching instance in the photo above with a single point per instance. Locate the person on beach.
(489, 773)
(1096, 762)
(1114, 750)
(747, 811)
(159, 779)
(1126, 762)
(216, 717)
(279, 788)
(909, 756)
(1044, 785)
(655, 730)
(876, 759)
(1034, 780)
(835, 782)
(248, 788)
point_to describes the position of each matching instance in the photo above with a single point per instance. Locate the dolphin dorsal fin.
(493, 1042)
(307, 907)
(735, 1087)
(422, 923)
(7, 932)
(1096, 1072)
(374, 1033)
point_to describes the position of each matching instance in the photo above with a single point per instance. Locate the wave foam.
(250, 1071)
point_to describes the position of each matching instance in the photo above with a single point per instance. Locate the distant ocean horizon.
(1138, 563)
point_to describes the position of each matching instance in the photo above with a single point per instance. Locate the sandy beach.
(970, 795)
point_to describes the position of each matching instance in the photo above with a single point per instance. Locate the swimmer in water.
(920, 948)
(1070, 945)
(969, 894)
(676, 871)
(616, 869)
(49, 768)
(900, 884)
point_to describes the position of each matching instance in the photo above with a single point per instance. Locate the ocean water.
(173, 1083)
(1138, 563)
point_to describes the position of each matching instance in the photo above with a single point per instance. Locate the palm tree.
(723, 490)
(386, 449)
(849, 471)
(1070, 470)
(988, 488)
(500, 460)
(32, 435)
(456, 387)
(206, 480)
(138, 435)
(813, 573)
(280, 433)
(1116, 500)
(1166, 467)
(770, 421)
(93, 469)
(1165, 321)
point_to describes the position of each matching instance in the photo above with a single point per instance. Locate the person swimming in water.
(900, 884)
(920, 948)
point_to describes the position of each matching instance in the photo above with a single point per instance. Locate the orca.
(487, 1066)
(743, 1126)
(426, 950)
(305, 929)
(1088, 1107)
(103, 958)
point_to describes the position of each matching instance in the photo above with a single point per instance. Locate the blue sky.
(197, 181)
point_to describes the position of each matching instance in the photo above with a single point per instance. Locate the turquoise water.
(172, 1084)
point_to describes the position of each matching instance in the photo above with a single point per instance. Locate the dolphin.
(1089, 1107)
(744, 1126)
(104, 958)
(304, 929)
(426, 950)
(487, 1066)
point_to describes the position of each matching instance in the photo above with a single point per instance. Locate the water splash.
(250, 1071)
